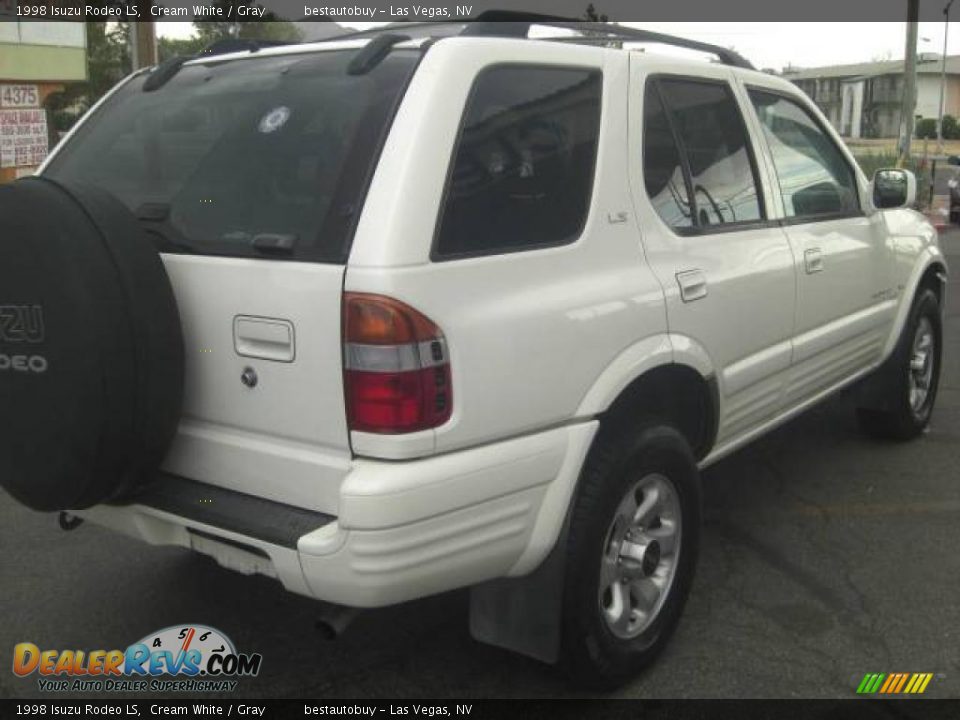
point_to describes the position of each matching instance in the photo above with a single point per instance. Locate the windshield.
(248, 157)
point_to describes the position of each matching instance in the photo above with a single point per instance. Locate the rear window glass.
(522, 171)
(263, 156)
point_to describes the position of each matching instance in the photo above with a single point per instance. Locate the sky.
(775, 45)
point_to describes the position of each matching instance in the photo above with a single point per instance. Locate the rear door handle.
(693, 285)
(264, 338)
(813, 261)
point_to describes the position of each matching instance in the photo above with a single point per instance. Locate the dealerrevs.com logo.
(185, 658)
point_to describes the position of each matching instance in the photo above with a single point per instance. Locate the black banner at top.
(850, 11)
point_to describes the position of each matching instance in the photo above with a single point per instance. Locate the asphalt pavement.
(826, 555)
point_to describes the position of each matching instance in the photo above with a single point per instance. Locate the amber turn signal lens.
(379, 320)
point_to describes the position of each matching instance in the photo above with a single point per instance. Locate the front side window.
(522, 169)
(716, 157)
(815, 178)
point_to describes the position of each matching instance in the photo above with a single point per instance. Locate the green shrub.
(927, 129)
(951, 130)
(872, 162)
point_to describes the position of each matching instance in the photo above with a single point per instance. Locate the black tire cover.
(91, 347)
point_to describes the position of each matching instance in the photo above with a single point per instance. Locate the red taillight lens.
(396, 367)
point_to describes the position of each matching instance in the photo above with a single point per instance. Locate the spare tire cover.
(91, 348)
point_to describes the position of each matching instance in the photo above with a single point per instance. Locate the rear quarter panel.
(529, 333)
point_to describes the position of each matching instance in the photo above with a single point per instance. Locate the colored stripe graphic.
(870, 683)
(891, 681)
(894, 683)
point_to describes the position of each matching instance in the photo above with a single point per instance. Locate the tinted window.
(228, 151)
(814, 177)
(662, 169)
(714, 140)
(522, 169)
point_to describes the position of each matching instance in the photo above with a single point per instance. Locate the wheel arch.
(935, 278)
(650, 377)
(677, 394)
(931, 273)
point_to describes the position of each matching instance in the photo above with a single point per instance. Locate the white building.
(863, 100)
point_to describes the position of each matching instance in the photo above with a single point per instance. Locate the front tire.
(632, 549)
(912, 376)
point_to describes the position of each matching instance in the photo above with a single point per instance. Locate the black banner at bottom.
(482, 709)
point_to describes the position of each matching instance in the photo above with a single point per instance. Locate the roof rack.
(509, 23)
(232, 45)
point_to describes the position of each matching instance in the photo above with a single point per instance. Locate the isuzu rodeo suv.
(443, 306)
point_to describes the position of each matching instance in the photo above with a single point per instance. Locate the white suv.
(450, 308)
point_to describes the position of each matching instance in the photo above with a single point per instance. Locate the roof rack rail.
(515, 24)
(232, 45)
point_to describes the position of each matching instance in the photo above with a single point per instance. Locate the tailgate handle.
(693, 285)
(813, 261)
(264, 338)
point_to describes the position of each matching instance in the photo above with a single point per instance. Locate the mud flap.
(875, 392)
(524, 614)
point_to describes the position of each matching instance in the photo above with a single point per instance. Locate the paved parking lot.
(825, 556)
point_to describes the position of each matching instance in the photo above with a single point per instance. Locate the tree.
(593, 16)
(269, 27)
(172, 47)
(108, 62)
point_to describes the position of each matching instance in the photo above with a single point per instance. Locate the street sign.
(19, 96)
(23, 126)
(23, 137)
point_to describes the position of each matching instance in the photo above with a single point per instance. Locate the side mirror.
(894, 188)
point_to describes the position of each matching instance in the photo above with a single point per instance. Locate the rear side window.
(522, 170)
(230, 154)
(709, 137)
(815, 178)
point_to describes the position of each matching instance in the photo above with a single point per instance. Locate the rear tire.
(626, 583)
(911, 376)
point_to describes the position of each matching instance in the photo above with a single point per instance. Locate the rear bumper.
(403, 530)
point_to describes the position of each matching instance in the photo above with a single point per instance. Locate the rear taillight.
(396, 367)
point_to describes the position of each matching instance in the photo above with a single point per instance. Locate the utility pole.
(143, 38)
(909, 104)
(943, 77)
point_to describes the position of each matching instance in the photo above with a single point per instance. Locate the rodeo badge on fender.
(181, 658)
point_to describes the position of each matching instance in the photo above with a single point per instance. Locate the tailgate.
(285, 436)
